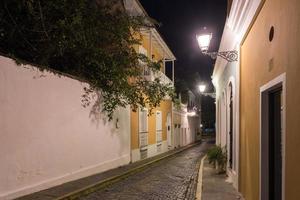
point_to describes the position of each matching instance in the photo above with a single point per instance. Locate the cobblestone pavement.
(172, 178)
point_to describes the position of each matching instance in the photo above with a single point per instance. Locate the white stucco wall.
(186, 134)
(236, 26)
(47, 137)
(189, 124)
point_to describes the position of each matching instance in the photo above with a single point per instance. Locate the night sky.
(180, 21)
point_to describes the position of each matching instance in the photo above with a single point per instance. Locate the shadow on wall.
(117, 125)
(96, 113)
(88, 97)
(93, 100)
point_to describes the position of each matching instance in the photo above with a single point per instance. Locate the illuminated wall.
(262, 61)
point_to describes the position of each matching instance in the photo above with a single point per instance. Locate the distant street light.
(204, 40)
(202, 88)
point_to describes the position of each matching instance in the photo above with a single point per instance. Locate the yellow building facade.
(151, 131)
(270, 96)
(165, 128)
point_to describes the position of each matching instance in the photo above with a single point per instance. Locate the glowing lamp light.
(204, 41)
(202, 88)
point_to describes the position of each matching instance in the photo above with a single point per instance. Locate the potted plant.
(217, 156)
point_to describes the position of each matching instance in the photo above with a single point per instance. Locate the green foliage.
(218, 155)
(184, 97)
(177, 103)
(181, 85)
(89, 39)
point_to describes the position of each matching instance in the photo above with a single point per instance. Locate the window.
(143, 127)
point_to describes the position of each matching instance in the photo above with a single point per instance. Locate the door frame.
(279, 81)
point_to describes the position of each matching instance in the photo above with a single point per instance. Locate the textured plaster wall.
(262, 61)
(47, 137)
(134, 129)
(165, 107)
(188, 126)
(223, 82)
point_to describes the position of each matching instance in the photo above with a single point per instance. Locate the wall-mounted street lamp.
(202, 88)
(204, 41)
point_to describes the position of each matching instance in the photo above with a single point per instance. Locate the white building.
(186, 121)
(226, 79)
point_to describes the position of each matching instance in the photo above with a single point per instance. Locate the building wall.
(134, 129)
(193, 129)
(165, 107)
(47, 136)
(261, 62)
(238, 20)
(176, 128)
(222, 85)
(228, 76)
(145, 42)
(185, 127)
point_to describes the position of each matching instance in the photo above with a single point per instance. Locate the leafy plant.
(218, 156)
(90, 39)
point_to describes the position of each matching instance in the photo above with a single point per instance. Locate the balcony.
(151, 76)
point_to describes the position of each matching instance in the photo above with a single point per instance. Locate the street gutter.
(199, 184)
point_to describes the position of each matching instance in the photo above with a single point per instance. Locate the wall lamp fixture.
(204, 41)
(202, 88)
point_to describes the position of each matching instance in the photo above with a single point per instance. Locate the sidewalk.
(74, 189)
(215, 187)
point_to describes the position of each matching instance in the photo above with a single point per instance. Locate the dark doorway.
(231, 129)
(271, 159)
(275, 158)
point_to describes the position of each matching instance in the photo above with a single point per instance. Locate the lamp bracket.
(230, 56)
(212, 95)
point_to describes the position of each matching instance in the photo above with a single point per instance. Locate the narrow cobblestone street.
(172, 178)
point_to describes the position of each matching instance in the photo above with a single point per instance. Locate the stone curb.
(199, 184)
(101, 184)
